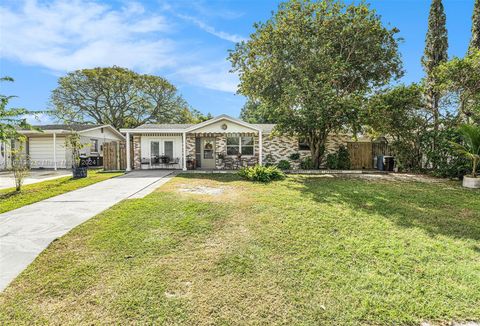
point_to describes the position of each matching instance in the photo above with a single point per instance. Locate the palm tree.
(471, 145)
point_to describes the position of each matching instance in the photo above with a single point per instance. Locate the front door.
(208, 153)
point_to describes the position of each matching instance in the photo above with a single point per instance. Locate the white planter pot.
(469, 182)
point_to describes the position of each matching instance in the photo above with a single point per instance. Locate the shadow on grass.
(439, 209)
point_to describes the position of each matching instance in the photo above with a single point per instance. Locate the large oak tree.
(312, 63)
(119, 97)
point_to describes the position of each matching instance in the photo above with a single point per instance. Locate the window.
(208, 150)
(94, 145)
(243, 145)
(303, 145)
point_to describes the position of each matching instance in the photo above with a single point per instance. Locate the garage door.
(41, 152)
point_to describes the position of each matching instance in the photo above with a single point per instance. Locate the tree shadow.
(439, 208)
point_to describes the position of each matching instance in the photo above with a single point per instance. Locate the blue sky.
(186, 41)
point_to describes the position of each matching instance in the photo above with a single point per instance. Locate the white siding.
(103, 135)
(216, 127)
(41, 152)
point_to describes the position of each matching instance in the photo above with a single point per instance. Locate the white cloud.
(214, 76)
(209, 29)
(67, 35)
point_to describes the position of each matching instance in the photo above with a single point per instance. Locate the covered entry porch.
(220, 143)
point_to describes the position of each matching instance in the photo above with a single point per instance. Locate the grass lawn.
(10, 199)
(304, 251)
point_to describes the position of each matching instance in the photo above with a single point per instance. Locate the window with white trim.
(243, 145)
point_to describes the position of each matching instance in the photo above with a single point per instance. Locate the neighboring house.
(48, 149)
(214, 144)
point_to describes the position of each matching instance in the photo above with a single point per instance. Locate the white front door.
(208, 153)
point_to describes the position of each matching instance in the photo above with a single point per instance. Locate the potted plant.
(470, 149)
(74, 143)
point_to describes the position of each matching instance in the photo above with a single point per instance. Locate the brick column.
(137, 154)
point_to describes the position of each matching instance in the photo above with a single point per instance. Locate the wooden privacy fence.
(362, 153)
(361, 156)
(114, 156)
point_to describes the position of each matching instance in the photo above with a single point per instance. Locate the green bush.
(343, 158)
(294, 156)
(332, 161)
(339, 160)
(306, 163)
(261, 173)
(284, 165)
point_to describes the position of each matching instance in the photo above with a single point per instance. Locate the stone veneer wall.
(220, 146)
(281, 147)
(137, 153)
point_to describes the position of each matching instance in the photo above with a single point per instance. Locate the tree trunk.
(317, 142)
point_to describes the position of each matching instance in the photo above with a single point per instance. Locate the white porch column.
(184, 149)
(260, 148)
(55, 151)
(129, 166)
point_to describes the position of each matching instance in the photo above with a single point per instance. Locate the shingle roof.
(75, 127)
(266, 128)
(166, 126)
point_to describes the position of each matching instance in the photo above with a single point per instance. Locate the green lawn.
(10, 199)
(303, 251)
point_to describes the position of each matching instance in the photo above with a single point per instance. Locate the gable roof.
(65, 128)
(180, 128)
(223, 117)
(73, 127)
(165, 126)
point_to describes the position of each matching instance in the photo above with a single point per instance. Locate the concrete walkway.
(25, 232)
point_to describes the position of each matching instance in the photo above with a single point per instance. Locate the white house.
(48, 149)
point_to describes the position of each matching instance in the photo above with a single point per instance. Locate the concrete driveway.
(27, 231)
(8, 181)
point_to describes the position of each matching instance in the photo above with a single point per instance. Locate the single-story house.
(48, 149)
(214, 144)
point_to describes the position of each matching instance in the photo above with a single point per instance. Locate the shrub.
(339, 160)
(284, 165)
(332, 161)
(343, 157)
(261, 173)
(306, 163)
(294, 156)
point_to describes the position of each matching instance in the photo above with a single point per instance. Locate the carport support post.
(129, 167)
(184, 154)
(55, 151)
(260, 148)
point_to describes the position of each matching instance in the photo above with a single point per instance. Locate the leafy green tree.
(462, 77)
(119, 97)
(11, 119)
(436, 46)
(255, 112)
(399, 113)
(475, 40)
(312, 64)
